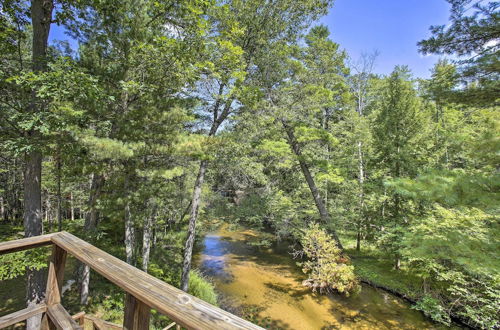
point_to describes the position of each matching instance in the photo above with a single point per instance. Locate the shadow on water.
(264, 286)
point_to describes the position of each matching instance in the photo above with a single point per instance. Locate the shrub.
(327, 268)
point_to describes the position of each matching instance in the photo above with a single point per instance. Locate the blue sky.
(393, 27)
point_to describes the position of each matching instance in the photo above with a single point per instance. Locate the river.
(264, 285)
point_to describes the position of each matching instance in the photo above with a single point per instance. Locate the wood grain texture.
(184, 309)
(136, 314)
(25, 243)
(99, 324)
(21, 315)
(79, 317)
(61, 318)
(56, 276)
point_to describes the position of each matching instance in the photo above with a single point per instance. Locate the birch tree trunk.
(129, 225)
(147, 237)
(363, 69)
(361, 181)
(72, 206)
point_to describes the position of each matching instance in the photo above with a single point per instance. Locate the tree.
(245, 38)
(473, 37)
(400, 141)
(41, 19)
(360, 84)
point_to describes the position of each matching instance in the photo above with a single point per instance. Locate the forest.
(161, 121)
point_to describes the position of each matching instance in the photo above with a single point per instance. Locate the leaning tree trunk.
(89, 228)
(195, 205)
(41, 18)
(323, 212)
(195, 201)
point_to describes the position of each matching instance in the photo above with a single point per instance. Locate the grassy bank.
(377, 267)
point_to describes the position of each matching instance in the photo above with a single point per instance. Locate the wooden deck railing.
(143, 291)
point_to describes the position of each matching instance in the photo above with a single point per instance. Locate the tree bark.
(195, 202)
(48, 210)
(89, 227)
(188, 249)
(361, 181)
(41, 17)
(33, 227)
(323, 212)
(129, 225)
(72, 206)
(146, 237)
(59, 196)
(2, 209)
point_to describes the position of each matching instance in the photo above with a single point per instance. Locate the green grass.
(376, 266)
(202, 288)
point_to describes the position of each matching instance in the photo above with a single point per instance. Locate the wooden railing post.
(136, 314)
(54, 283)
(56, 276)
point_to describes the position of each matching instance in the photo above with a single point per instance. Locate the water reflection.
(213, 260)
(266, 286)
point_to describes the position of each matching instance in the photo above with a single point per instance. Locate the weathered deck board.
(181, 307)
(61, 318)
(99, 324)
(25, 243)
(21, 315)
(136, 313)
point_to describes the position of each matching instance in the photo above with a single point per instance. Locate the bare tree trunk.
(363, 69)
(33, 226)
(361, 181)
(323, 212)
(59, 196)
(129, 225)
(147, 235)
(195, 202)
(397, 262)
(48, 212)
(72, 206)
(2, 209)
(41, 18)
(188, 249)
(89, 228)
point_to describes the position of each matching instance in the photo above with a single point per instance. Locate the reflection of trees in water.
(271, 280)
(253, 313)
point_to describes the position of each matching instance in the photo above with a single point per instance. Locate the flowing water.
(265, 286)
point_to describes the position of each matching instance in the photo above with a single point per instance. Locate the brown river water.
(264, 284)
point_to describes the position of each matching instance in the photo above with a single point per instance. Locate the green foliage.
(15, 264)
(408, 167)
(199, 286)
(433, 309)
(326, 268)
(472, 36)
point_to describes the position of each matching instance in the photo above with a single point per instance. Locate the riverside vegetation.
(158, 119)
